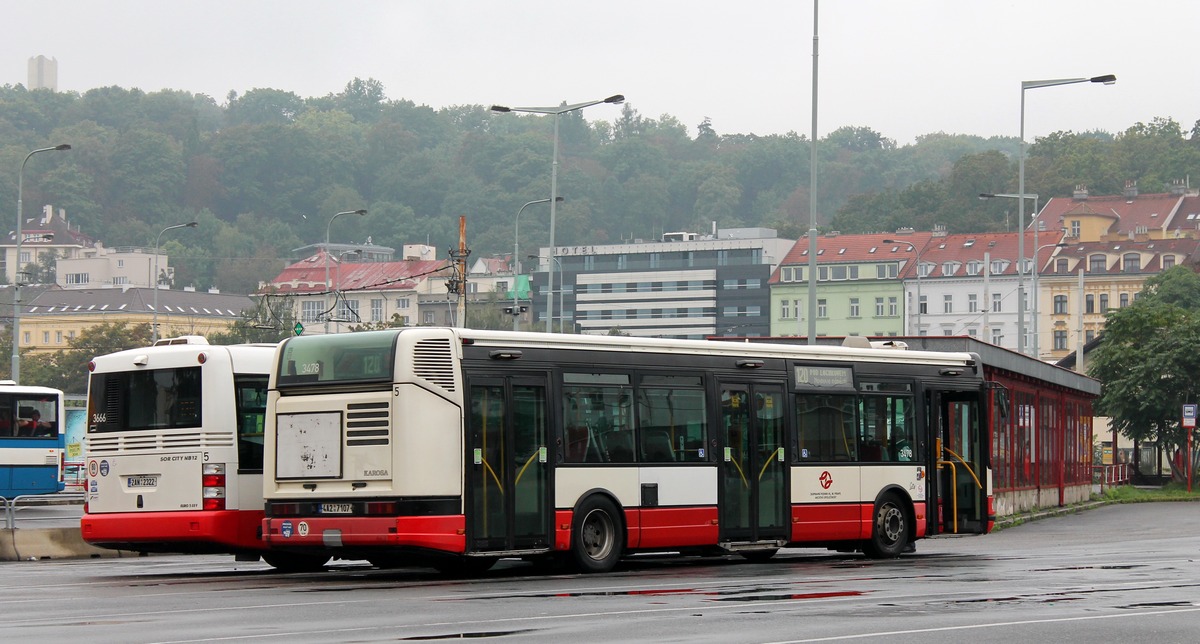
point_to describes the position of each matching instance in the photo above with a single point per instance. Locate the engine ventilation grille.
(433, 361)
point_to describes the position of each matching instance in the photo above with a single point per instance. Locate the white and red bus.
(174, 448)
(453, 448)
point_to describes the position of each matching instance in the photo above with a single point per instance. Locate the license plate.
(337, 508)
(142, 481)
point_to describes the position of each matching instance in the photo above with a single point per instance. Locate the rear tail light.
(385, 508)
(213, 476)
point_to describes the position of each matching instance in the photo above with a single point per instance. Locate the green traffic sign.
(299, 328)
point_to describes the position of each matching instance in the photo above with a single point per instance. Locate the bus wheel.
(292, 562)
(889, 530)
(464, 566)
(596, 542)
(758, 556)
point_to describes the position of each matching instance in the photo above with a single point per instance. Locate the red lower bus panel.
(829, 522)
(676, 527)
(445, 533)
(237, 529)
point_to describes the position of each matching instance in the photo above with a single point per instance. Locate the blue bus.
(31, 440)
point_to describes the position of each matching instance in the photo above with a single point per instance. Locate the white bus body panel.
(165, 482)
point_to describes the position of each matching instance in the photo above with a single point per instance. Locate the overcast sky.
(902, 68)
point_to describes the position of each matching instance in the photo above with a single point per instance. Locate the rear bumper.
(190, 531)
(443, 533)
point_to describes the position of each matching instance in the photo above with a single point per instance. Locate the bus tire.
(889, 529)
(596, 535)
(294, 562)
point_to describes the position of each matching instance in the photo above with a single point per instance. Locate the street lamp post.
(16, 323)
(916, 250)
(1107, 79)
(516, 262)
(154, 326)
(984, 196)
(556, 112)
(325, 296)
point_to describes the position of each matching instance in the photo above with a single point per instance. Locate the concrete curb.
(1045, 513)
(27, 544)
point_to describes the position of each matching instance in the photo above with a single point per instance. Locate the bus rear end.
(174, 449)
(344, 477)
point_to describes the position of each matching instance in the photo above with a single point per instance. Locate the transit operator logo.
(826, 479)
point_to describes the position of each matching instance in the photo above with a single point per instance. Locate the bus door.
(754, 493)
(508, 469)
(959, 498)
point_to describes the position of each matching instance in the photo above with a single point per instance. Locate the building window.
(948, 303)
(45, 337)
(822, 309)
(1075, 229)
(879, 307)
(886, 271)
(310, 310)
(997, 303)
(348, 311)
(120, 263)
(893, 309)
(1088, 336)
(1089, 303)
(655, 260)
(854, 312)
(58, 337)
(1060, 340)
(75, 279)
(972, 303)
(1168, 261)
(1124, 300)
(1060, 265)
(589, 262)
(1131, 263)
(120, 280)
(722, 258)
(785, 309)
(1060, 304)
(1104, 302)
(622, 261)
(402, 303)
(785, 274)
(377, 310)
(1096, 264)
(997, 336)
(429, 317)
(923, 305)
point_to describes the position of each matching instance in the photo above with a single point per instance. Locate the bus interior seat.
(619, 445)
(657, 446)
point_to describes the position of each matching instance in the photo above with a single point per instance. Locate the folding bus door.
(508, 469)
(754, 493)
(959, 500)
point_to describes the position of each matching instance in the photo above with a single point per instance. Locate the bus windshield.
(343, 358)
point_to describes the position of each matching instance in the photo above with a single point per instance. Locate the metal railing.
(1111, 475)
(10, 505)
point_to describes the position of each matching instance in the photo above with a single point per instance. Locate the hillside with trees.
(263, 172)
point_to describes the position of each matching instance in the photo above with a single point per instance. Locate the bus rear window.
(154, 399)
(340, 358)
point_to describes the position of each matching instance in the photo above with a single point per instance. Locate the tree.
(271, 320)
(1147, 362)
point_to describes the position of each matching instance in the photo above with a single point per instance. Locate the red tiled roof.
(308, 275)
(1152, 211)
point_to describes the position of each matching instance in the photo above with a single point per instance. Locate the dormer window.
(974, 267)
